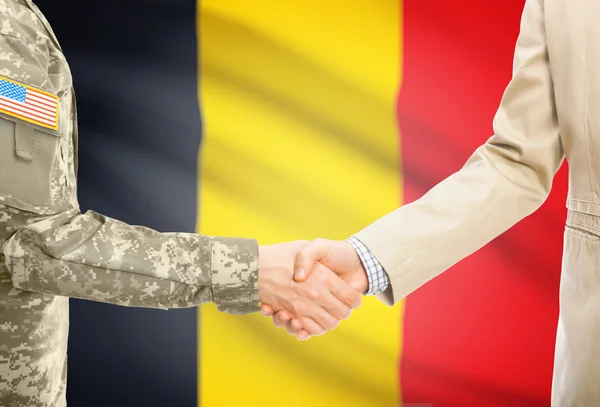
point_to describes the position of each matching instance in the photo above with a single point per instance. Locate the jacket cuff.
(369, 238)
(234, 275)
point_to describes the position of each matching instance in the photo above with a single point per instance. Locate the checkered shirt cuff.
(378, 278)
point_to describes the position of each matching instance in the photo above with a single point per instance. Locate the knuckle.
(351, 298)
(313, 294)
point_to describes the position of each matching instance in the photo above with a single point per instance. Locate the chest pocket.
(29, 176)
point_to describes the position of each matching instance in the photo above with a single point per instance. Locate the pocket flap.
(24, 141)
(29, 164)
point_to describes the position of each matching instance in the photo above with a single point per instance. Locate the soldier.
(51, 251)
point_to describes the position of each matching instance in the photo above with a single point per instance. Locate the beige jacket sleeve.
(505, 180)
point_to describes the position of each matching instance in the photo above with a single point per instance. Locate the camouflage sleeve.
(94, 257)
(57, 249)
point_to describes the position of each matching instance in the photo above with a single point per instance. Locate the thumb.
(308, 256)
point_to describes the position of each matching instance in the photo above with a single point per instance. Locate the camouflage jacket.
(51, 251)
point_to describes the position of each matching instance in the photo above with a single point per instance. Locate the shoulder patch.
(28, 104)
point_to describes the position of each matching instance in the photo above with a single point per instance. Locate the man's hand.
(319, 302)
(338, 256)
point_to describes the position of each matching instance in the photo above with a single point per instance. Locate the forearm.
(460, 215)
(505, 180)
(94, 257)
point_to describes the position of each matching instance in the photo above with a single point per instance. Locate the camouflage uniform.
(51, 251)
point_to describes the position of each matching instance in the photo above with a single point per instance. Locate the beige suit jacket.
(550, 110)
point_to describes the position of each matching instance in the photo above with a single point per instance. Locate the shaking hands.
(309, 287)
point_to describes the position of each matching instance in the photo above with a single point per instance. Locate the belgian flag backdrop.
(286, 120)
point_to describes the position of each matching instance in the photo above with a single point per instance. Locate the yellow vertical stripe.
(300, 138)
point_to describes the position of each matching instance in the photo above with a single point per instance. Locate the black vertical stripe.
(134, 67)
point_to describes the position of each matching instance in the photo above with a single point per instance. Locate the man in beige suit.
(550, 109)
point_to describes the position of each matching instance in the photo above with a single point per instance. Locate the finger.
(303, 336)
(294, 327)
(306, 258)
(281, 318)
(334, 307)
(310, 327)
(322, 318)
(319, 303)
(345, 293)
(334, 294)
(266, 310)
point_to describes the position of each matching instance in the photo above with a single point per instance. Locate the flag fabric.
(300, 141)
(29, 104)
(482, 333)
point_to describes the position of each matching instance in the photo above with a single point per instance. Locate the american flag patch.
(29, 104)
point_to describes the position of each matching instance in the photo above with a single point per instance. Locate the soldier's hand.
(318, 304)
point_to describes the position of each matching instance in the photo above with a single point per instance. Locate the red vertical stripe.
(482, 334)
